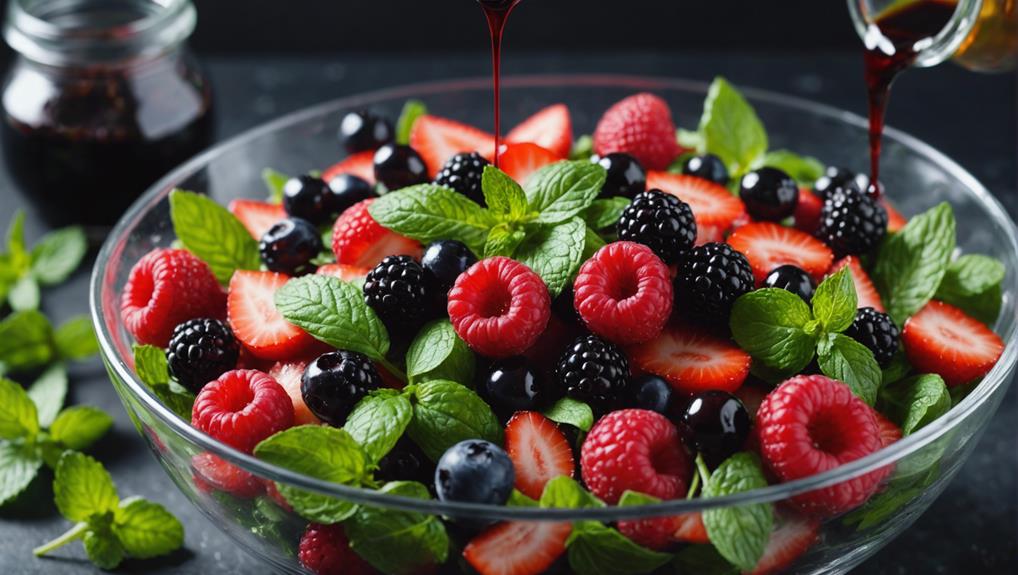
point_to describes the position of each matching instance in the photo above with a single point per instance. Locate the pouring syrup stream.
(497, 12)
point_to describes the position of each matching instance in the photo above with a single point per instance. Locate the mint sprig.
(378, 421)
(569, 411)
(213, 234)
(505, 198)
(741, 533)
(974, 283)
(846, 360)
(805, 170)
(555, 253)
(51, 261)
(446, 413)
(604, 214)
(915, 402)
(275, 181)
(428, 213)
(151, 367)
(562, 191)
(439, 353)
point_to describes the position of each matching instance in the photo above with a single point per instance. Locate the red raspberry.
(624, 293)
(211, 473)
(811, 424)
(325, 550)
(241, 408)
(499, 307)
(358, 240)
(642, 127)
(166, 288)
(638, 450)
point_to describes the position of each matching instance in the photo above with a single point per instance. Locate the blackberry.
(835, 178)
(395, 289)
(851, 222)
(709, 280)
(594, 371)
(290, 246)
(362, 131)
(793, 279)
(662, 222)
(625, 178)
(769, 194)
(876, 331)
(308, 198)
(463, 173)
(708, 167)
(335, 382)
(200, 351)
(398, 167)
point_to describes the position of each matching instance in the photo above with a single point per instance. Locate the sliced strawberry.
(889, 432)
(768, 245)
(792, 538)
(716, 210)
(689, 528)
(359, 241)
(864, 288)
(551, 128)
(518, 548)
(257, 216)
(361, 164)
(342, 271)
(522, 160)
(693, 360)
(895, 221)
(942, 339)
(289, 375)
(807, 211)
(539, 451)
(438, 139)
(251, 309)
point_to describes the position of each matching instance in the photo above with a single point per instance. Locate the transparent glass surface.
(915, 175)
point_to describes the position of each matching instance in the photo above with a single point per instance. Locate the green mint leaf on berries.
(324, 453)
(740, 533)
(446, 413)
(555, 253)
(26, 341)
(635, 498)
(916, 401)
(835, 301)
(503, 240)
(804, 169)
(973, 283)
(888, 502)
(150, 365)
(776, 328)
(57, 255)
(75, 339)
(569, 411)
(911, 263)
(212, 233)
(564, 492)
(412, 111)
(48, 393)
(438, 353)
(505, 198)
(378, 421)
(731, 129)
(427, 213)
(398, 542)
(145, 529)
(846, 360)
(517, 499)
(275, 181)
(690, 139)
(563, 190)
(596, 549)
(604, 214)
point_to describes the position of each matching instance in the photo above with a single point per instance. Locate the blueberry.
(513, 385)
(335, 382)
(626, 177)
(363, 131)
(793, 279)
(346, 190)
(405, 462)
(708, 167)
(716, 424)
(290, 246)
(475, 471)
(399, 167)
(769, 194)
(652, 393)
(443, 261)
(308, 197)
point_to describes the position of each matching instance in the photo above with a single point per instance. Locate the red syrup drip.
(891, 49)
(497, 12)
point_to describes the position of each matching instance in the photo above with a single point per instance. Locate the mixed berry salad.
(639, 315)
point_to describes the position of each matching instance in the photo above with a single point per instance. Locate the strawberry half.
(251, 310)
(539, 451)
(693, 360)
(942, 339)
(551, 128)
(865, 291)
(257, 216)
(359, 241)
(289, 375)
(768, 245)
(520, 161)
(342, 271)
(807, 211)
(438, 139)
(518, 548)
(789, 541)
(361, 164)
(689, 528)
(716, 210)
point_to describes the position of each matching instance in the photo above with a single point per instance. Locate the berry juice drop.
(497, 12)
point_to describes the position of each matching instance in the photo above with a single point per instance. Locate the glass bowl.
(916, 177)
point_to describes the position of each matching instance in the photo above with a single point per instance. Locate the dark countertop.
(972, 527)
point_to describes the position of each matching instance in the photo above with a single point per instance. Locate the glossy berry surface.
(475, 471)
(793, 279)
(395, 289)
(877, 332)
(325, 550)
(333, 383)
(200, 351)
(593, 371)
(769, 194)
(650, 392)
(626, 177)
(289, 246)
(716, 424)
(398, 166)
(463, 173)
(851, 222)
(512, 384)
(345, 190)
(405, 462)
(660, 221)
(835, 178)
(362, 131)
(242, 408)
(709, 280)
(708, 167)
(308, 198)
(444, 261)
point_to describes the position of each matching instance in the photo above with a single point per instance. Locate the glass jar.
(102, 100)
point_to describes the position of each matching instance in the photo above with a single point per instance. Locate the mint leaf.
(569, 411)
(911, 263)
(703, 560)
(150, 365)
(333, 311)
(846, 360)
(771, 325)
(503, 240)
(324, 453)
(446, 413)
(80, 426)
(412, 111)
(896, 370)
(916, 401)
(275, 182)
(76, 339)
(605, 214)
(564, 492)
(48, 393)
(58, 254)
(19, 257)
(731, 129)
(24, 294)
(82, 488)
(592, 242)
(635, 498)
(212, 233)
(18, 416)
(741, 533)
(517, 499)
(583, 148)
(835, 301)
(563, 190)
(19, 465)
(973, 283)
(427, 213)
(102, 548)
(596, 549)
(438, 353)
(555, 253)
(378, 421)
(26, 341)
(145, 529)
(805, 170)
(398, 542)
(505, 198)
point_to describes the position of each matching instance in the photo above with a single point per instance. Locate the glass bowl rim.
(997, 377)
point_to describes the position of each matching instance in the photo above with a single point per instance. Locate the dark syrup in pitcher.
(890, 49)
(497, 12)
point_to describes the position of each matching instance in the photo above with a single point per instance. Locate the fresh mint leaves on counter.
(741, 533)
(29, 342)
(51, 261)
(213, 234)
